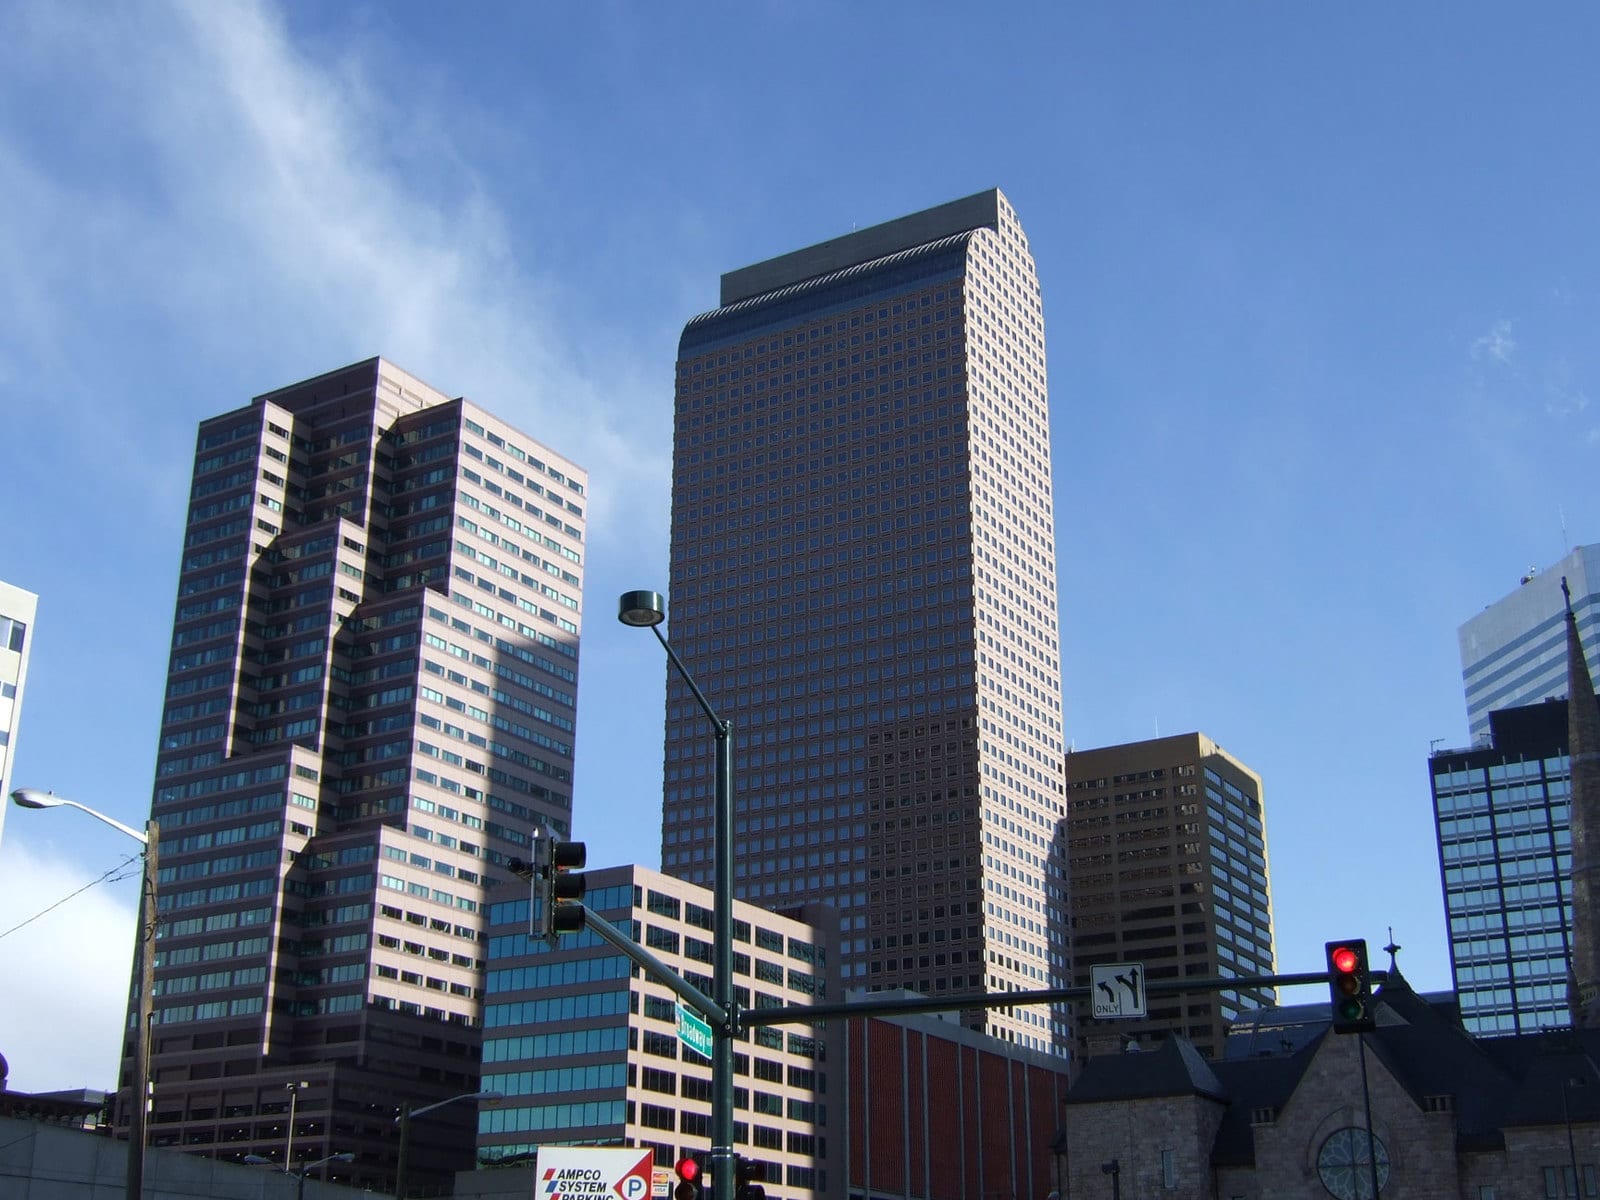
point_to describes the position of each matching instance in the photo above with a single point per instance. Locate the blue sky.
(1320, 292)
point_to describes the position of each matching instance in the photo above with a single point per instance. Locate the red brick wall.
(933, 1119)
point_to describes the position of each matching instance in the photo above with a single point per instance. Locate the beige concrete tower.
(863, 581)
(369, 704)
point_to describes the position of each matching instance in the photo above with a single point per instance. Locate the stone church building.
(1455, 1118)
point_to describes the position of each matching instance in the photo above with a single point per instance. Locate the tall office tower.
(863, 582)
(1503, 817)
(1514, 652)
(370, 702)
(17, 609)
(1168, 847)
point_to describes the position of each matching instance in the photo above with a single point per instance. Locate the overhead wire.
(110, 876)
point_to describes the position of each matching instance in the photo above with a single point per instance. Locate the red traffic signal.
(1349, 986)
(688, 1172)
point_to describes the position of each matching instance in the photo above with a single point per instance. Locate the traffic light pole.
(1366, 1105)
(790, 1014)
(655, 968)
(723, 1157)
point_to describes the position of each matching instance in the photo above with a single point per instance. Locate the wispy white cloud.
(1564, 397)
(66, 972)
(272, 206)
(197, 207)
(1495, 346)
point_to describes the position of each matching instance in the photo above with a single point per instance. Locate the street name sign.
(1118, 989)
(694, 1032)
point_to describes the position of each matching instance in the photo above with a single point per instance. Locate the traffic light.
(1349, 986)
(688, 1171)
(558, 864)
(748, 1177)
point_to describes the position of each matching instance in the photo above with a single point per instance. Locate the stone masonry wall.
(1135, 1133)
(1421, 1144)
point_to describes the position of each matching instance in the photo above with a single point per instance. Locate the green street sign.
(693, 1032)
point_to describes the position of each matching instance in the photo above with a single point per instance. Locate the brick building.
(940, 1112)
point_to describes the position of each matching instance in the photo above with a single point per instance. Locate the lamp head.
(642, 609)
(34, 798)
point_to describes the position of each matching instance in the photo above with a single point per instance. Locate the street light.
(294, 1096)
(256, 1160)
(144, 966)
(404, 1121)
(646, 610)
(300, 1188)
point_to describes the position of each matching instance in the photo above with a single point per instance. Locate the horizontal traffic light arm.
(656, 969)
(800, 1014)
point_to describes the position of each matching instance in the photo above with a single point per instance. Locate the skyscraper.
(1502, 812)
(863, 581)
(1514, 652)
(17, 609)
(370, 702)
(1169, 869)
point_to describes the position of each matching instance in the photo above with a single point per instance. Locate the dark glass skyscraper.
(863, 581)
(1503, 813)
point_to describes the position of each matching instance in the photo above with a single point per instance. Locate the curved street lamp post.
(300, 1188)
(647, 610)
(404, 1121)
(144, 967)
(257, 1160)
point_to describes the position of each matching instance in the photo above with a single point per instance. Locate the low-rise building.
(585, 1047)
(941, 1112)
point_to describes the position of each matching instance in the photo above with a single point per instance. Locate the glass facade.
(587, 1051)
(1504, 856)
(1243, 909)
